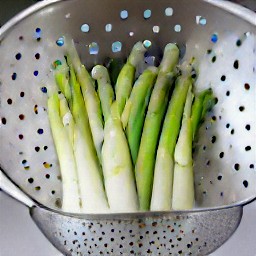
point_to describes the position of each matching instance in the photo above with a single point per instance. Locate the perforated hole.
(94, 48)
(9, 101)
(3, 120)
(14, 76)
(85, 28)
(223, 78)
(18, 56)
(37, 56)
(21, 117)
(116, 46)
(214, 38)
(147, 14)
(124, 14)
(156, 29)
(201, 20)
(168, 11)
(60, 41)
(108, 27)
(247, 86)
(177, 28)
(245, 183)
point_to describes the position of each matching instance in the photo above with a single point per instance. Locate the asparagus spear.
(126, 113)
(91, 99)
(117, 166)
(126, 76)
(114, 66)
(61, 78)
(137, 105)
(163, 175)
(105, 90)
(144, 167)
(66, 157)
(208, 104)
(67, 118)
(91, 186)
(202, 103)
(183, 180)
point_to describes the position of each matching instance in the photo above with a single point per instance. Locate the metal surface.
(196, 233)
(12, 190)
(27, 152)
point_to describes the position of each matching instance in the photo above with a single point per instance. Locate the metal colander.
(219, 35)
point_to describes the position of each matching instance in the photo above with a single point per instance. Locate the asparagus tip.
(98, 72)
(153, 69)
(171, 47)
(137, 53)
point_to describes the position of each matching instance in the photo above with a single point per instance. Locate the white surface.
(20, 236)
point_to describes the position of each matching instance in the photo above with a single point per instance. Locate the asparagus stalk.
(126, 113)
(117, 166)
(91, 186)
(66, 157)
(144, 167)
(126, 76)
(163, 175)
(61, 79)
(114, 66)
(183, 181)
(209, 102)
(202, 103)
(67, 118)
(91, 99)
(105, 90)
(137, 105)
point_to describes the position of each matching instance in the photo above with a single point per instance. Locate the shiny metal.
(196, 233)
(187, 233)
(225, 176)
(8, 187)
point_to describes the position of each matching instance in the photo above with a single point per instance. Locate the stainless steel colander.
(220, 36)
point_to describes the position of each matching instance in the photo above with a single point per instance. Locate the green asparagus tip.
(137, 53)
(99, 72)
(168, 63)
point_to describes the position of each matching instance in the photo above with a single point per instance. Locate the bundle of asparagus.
(127, 147)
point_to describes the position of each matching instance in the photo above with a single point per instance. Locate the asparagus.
(70, 202)
(144, 167)
(117, 166)
(126, 113)
(183, 180)
(90, 96)
(105, 90)
(114, 66)
(91, 186)
(163, 175)
(135, 109)
(209, 102)
(202, 103)
(67, 118)
(61, 78)
(126, 76)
